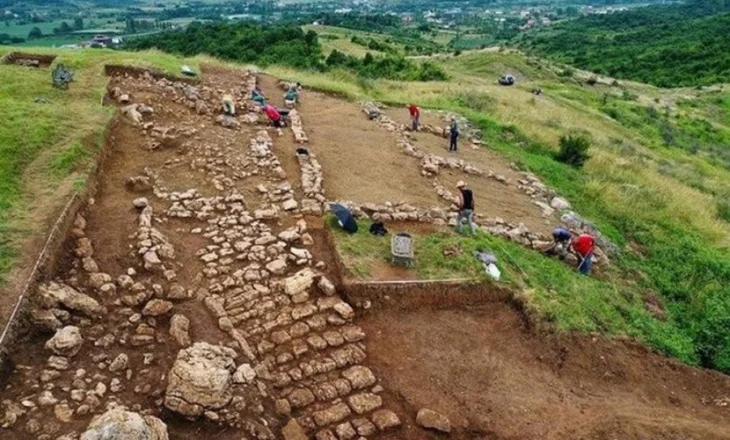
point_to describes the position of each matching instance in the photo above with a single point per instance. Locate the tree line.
(285, 44)
(668, 46)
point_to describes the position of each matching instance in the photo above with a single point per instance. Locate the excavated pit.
(29, 59)
(115, 70)
(463, 350)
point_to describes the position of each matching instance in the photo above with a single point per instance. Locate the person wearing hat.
(466, 207)
(453, 135)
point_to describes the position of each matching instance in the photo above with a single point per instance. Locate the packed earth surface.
(199, 295)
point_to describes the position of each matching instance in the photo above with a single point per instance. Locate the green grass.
(52, 144)
(362, 252)
(22, 30)
(660, 204)
(551, 288)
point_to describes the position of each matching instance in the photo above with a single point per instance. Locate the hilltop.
(228, 239)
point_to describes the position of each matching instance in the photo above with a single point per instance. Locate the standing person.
(453, 135)
(415, 112)
(273, 114)
(229, 105)
(583, 246)
(466, 207)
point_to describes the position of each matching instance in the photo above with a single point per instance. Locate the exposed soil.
(494, 198)
(361, 162)
(458, 349)
(496, 379)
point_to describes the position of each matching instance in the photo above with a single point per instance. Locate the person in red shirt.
(583, 246)
(273, 114)
(415, 112)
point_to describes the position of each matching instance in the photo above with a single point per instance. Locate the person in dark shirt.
(561, 242)
(453, 135)
(466, 207)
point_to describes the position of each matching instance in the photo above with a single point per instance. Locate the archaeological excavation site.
(195, 290)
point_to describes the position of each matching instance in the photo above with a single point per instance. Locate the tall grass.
(47, 144)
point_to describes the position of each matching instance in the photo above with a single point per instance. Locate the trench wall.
(56, 246)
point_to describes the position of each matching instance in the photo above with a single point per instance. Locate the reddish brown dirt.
(361, 162)
(401, 116)
(495, 379)
(494, 199)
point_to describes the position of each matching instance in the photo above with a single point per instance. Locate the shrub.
(723, 210)
(567, 73)
(574, 150)
(475, 100)
(592, 81)
(628, 95)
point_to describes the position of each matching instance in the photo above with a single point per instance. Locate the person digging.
(561, 243)
(583, 247)
(415, 113)
(466, 208)
(257, 95)
(292, 95)
(274, 116)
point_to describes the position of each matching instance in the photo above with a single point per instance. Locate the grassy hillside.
(45, 148)
(660, 199)
(671, 45)
(285, 44)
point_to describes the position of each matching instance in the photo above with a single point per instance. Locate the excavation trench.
(459, 348)
(29, 59)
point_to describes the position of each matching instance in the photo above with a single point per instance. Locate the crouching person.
(229, 105)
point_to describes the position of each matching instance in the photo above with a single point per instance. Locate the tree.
(78, 23)
(131, 26)
(64, 28)
(336, 58)
(574, 150)
(35, 33)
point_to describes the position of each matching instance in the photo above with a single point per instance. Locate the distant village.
(98, 41)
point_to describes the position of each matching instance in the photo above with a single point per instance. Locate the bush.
(567, 73)
(574, 150)
(723, 210)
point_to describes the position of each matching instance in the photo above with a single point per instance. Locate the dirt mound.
(496, 379)
(137, 72)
